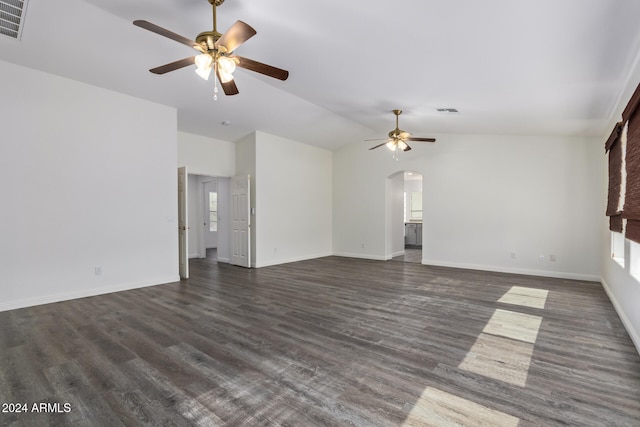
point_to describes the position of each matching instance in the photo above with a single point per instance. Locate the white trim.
(294, 259)
(65, 296)
(528, 272)
(635, 336)
(362, 256)
(393, 255)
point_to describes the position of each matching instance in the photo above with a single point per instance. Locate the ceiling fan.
(216, 53)
(398, 138)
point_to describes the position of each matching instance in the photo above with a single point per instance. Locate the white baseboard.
(635, 336)
(225, 260)
(362, 256)
(287, 260)
(524, 271)
(64, 296)
(395, 254)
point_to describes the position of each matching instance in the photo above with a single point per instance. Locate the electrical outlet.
(362, 244)
(513, 255)
(552, 258)
(98, 270)
(541, 257)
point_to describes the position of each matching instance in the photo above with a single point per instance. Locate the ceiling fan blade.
(421, 139)
(239, 33)
(379, 145)
(259, 67)
(174, 65)
(169, 34)
(407, 148)
(229, 87)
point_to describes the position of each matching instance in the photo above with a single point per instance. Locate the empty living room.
(235, 213)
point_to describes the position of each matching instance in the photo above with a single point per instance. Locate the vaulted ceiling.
(530, 67)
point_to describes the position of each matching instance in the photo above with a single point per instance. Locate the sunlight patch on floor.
(502, 359)
(510, 324)
(504, 349)
(438, 408)
(528, 297)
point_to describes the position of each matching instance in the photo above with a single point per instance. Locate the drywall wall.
(394, 245)
(291, 194)
(206, 156)
(486, 197)
(195, 212)
(293, 200)
(89, 178)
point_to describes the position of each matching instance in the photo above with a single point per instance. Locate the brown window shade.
(632, 106)
(614, 147)
(631, 209)
(632, 231)
(615, 223)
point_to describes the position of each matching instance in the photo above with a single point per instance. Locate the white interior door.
(183, 236)
(240, 221)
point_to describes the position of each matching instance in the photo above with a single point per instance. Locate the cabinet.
(413, 234)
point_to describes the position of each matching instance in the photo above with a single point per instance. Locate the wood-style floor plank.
(326, 342)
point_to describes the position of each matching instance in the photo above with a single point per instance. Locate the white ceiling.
(528, 67)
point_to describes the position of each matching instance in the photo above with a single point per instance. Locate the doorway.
(208, 217)
(404, 223)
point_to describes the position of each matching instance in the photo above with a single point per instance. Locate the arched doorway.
(403, 224)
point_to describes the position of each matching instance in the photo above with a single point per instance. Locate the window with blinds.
(623, 146)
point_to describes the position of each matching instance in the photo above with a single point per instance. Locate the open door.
(240, 221)
(183, 236)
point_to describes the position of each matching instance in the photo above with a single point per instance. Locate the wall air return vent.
(12, 17)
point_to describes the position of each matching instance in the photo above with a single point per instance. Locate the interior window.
(213, 211)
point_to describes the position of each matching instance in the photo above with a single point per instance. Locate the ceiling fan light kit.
(398, 138)
(216, 53)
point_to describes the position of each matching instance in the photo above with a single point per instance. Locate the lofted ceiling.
(530, 67)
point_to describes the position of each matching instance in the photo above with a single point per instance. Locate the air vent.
(12, 17)
(447, 110)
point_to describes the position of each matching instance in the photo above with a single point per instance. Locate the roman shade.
(631, 209)
(623, 146)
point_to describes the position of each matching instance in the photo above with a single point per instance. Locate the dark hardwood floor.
(328, 342)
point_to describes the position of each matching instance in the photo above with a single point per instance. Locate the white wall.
(89, 178)
(195, 219)
(395, 215)
(485, 196)
(206, 156)
(293, 201)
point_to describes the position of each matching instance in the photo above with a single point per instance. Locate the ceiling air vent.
(12, 17)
